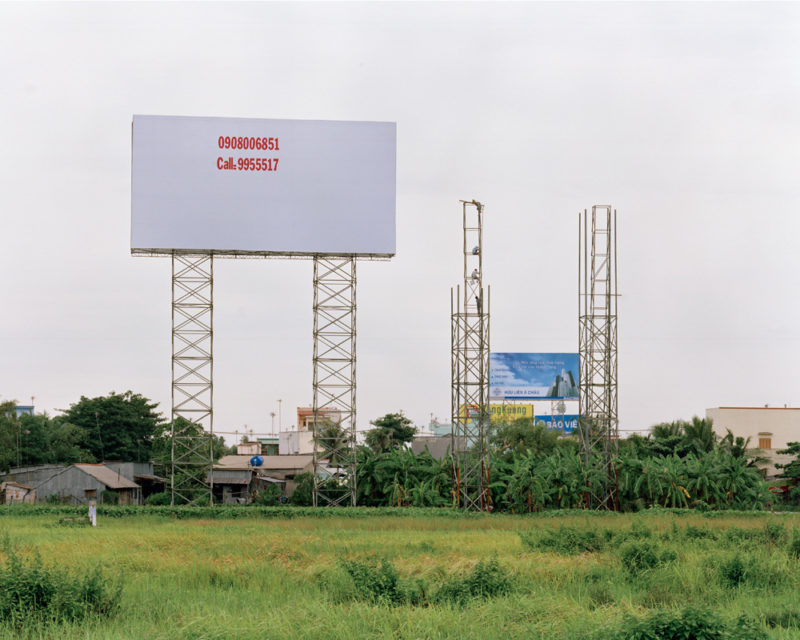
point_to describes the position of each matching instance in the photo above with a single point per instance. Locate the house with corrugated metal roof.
(71, 484)
(141, 473)
(235, 477)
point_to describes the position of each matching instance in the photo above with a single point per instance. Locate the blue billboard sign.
(533, 376)
(565, 423)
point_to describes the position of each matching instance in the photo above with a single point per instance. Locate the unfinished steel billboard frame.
(598, 426)
(334, 379)
(185, 172)
(470, 369)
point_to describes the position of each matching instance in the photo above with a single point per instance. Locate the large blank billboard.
(281, 187)
(533, 376)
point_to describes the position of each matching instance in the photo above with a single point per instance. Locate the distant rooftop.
(107, 476)
(762, 408)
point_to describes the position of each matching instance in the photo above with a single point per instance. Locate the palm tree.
(699, 435)
(703, 478)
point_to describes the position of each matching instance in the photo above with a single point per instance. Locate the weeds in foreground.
(375, 582)
(687, 624)
(643, 555)
(378, 582)
(31, 592)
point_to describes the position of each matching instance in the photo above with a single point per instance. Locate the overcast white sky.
(682, 116)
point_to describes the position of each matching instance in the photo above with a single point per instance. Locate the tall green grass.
(391, 574)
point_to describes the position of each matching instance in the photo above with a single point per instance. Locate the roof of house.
(150, 477)
(18, 485)
(231, 476)
(108, 477)
(759, 408)
(270, 462)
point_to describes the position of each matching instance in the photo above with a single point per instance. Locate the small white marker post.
(91, 495)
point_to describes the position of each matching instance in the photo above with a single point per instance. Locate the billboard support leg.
(597, 340)
(192, 420)
(334, 382)
(470, 368)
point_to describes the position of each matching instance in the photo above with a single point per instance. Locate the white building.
(300, 441)
(769, 429)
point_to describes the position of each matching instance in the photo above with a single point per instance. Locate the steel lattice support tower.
(192, 378)
(470, 369)
(597, 340)
(335, 379)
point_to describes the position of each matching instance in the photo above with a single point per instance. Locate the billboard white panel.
(284, 187)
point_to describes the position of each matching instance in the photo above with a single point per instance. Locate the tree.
(334, 443)
(390, 432)
(790, 469)
(45, 440)
(668, 438)
(162, 442)
(9, 433)
(120, 426)
(699, 435)
(513, 439)
(39, 439)
(303, 495)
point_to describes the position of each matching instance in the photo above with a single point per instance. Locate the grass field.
(574, 575)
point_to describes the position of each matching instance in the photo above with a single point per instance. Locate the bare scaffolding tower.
(334, 380)
(192, 420)
(597, 339)
(470, 369)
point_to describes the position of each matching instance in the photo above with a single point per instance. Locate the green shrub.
(774, 532)
(159, 499)
(794, 544)
(644, 555)
(564, 540)
(638, 531)
(691, 532)
(375, 582)
(79, 521)
(733, 571)
(755, 569)
(687, 624)
(268, 495)
(486, 580)
(303, 495)
(30, 591)
(787, 618)
(736, 536)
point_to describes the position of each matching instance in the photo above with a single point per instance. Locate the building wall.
(305, 417)
(768, 428)
(70, 486)
(12, 494)
(129, 470)
(438, 446)
(248, 449)
(291, 443)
